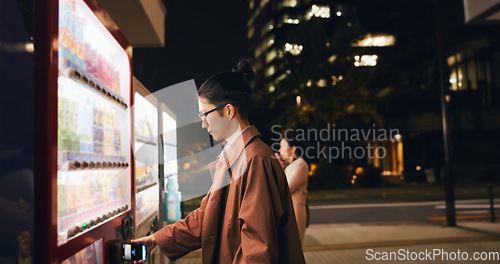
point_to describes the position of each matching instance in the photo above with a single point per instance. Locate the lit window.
(336, 79)
(365, 60)
(291, 21)
(318, 11)
(251, 30)
(460, 78)
(332, 58)
(263, 46)
(294, 49)
(289, 3)
(260, 49)
(269, 26)
(270, 41)
(272, 88)
(321, 83)
(350, 108)
(376, 41)
(29, 47)
(281, 77)
(281, 54)
(271, 55)
(467, 71)
(453, 80)
(451, 60)
(270, 71)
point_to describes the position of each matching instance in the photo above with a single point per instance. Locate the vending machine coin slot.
(126, 227)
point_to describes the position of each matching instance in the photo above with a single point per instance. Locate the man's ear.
(230, 110)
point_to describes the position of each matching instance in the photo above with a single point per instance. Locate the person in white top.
(296, 171)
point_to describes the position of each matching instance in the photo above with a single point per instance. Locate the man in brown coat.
(247, 216)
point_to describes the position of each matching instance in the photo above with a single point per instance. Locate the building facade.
(360, 56)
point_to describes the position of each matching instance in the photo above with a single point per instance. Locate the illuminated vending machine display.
(145, 115)
(93, 133)
(171, 196)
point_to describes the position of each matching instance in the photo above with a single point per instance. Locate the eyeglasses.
(203, 115)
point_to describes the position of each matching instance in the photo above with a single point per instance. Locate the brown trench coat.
(247, 217)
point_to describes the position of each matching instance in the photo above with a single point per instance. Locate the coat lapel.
(221, 177)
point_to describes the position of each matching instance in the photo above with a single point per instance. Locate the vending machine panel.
(146, 151)
(93, 132)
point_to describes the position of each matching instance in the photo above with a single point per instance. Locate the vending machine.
(146, 144)
(171, 197)
(83, 164)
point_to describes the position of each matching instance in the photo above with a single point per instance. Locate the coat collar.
(233, 152)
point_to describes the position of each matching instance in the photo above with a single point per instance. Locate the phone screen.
(133, 251)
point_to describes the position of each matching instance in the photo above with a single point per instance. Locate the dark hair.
(291, 137)
(232, 87)
(295, 140)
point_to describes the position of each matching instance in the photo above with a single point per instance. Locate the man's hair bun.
(245, 67)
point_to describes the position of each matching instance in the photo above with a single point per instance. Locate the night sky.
(201, 38)
(206, 37)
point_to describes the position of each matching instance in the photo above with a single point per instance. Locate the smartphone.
(133, 251)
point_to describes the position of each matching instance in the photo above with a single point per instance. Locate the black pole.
(492, 206)
(449, 194)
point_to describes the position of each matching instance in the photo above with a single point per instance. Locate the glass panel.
(146, 141)
(170, 145)
(93, 178)
(146, 159)
(453, 79)
(460, 77)
(472, 74)
(451, 60)
(146, 203)
(459, 57)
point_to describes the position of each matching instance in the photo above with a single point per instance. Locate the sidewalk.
(402, 193)
(357, 243)
(365, 243)
(353, 243)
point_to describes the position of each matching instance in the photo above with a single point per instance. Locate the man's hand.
(149, 241)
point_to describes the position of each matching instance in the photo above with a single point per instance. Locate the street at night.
(250, 131)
